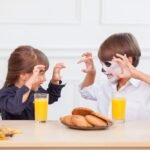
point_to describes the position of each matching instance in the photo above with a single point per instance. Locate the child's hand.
(128, 70)
(56, 77)
(88, 60)
(35, 77)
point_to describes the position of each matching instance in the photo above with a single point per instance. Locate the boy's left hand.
(56, 77)
(128, 70)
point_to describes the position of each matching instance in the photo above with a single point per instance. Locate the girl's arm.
(33, 79)
(55, 86)
(11, 99)
(53, 90)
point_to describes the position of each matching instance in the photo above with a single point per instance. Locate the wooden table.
(54, 135)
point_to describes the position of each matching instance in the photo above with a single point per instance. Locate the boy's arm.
(89, 70)
(142, 76)
(88, 80)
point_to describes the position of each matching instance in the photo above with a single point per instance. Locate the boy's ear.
(130, 59)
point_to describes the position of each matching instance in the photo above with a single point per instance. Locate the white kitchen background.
(64, 29)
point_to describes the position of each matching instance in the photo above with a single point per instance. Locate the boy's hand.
(88, 60)
(35, 75)
(128, 70)
(56, 77)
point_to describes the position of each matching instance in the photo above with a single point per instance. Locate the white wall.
(64, 29)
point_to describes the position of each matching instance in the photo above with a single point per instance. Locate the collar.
(132, 81)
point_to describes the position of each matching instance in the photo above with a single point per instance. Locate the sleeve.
(54, 91)
(11, 101)
(90, 92)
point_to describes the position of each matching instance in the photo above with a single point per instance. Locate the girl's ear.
(130, 59)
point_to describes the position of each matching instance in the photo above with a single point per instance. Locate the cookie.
(80, 121)
(109, 121)
(83, 111)
(66, 120)
(95, 121)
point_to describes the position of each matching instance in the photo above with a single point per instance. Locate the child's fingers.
(85, 60)
(80, 61)
(84, 70)
(123, 57)
(119, 61)
(86, 54)
(60, 65)
(85, 57)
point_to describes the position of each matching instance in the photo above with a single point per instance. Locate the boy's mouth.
(109, 76)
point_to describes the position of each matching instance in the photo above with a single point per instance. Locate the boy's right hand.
(88, 60)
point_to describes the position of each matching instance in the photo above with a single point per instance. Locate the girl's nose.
(43, 79)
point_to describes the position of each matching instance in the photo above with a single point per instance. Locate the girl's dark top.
(11, 104)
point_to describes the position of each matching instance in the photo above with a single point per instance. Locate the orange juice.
(118, 108)
(41, 108)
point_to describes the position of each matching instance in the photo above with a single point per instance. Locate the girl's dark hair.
(22, 60)
(122, 43)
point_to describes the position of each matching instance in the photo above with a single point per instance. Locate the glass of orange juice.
(41, 106)
(118, 109)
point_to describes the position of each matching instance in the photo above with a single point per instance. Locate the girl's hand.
(88, 60)
(35, 77)
(128, 70)
(56, 77)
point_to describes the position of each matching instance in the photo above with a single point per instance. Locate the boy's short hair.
(122, 43)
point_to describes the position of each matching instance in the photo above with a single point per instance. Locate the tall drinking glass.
(41, 106)
(118, 109)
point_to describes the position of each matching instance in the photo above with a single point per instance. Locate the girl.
(26, 73)
(119, 55)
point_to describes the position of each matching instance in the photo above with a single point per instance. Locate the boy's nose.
(103, 70)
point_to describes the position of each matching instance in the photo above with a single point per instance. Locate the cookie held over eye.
(95, 121)
(83, 111)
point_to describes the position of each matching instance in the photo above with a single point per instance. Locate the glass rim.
(41, 95)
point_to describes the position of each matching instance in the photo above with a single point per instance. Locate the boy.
(119, 55)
